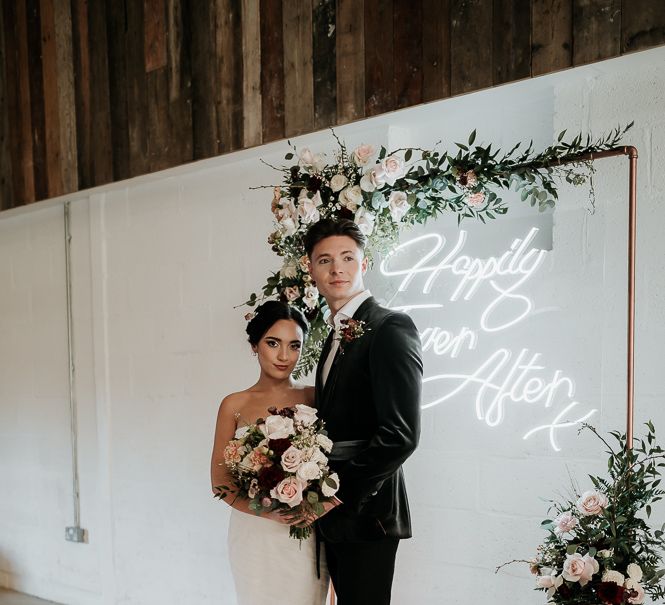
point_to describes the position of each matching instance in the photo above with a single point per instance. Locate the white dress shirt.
(335, 321)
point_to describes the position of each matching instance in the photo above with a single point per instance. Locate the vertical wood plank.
(379, 45)
(51, 99)
(251, 73)
(642, 24)
(436, 49)
(350, 60)
(298, 75)
(116, 28)
(100, 107)
(137, 112)
(272, 71)
(511, 49)
(470, 45)
(551, 35)
(204, 81)
(82, 92)
(180, 83)
(324, 63)
(159, 142)
(37, 107)
(154, 32)
(408, 53)
(228, 52)
(6, 183)
(596, 30)
(66, 96)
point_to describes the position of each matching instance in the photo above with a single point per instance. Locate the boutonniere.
(350, 330)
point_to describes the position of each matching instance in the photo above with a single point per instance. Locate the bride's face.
(278, 350)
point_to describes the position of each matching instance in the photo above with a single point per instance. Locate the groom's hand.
(309, 517)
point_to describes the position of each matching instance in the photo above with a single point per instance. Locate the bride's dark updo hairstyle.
(270, 312)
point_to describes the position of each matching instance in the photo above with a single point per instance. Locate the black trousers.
(362, 572)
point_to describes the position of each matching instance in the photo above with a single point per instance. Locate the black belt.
(346, 450)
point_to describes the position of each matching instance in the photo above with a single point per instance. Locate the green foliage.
(467, 182)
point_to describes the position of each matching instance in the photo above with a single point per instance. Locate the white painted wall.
(160, 262)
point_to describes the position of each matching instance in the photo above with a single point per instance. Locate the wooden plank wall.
(98, 91)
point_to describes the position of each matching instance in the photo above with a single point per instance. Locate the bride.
(267, 565)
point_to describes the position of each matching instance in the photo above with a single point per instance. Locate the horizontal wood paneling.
(94, 92)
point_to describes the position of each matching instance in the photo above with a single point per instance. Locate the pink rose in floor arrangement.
(601, 548)
(386, 191)
(280, 463)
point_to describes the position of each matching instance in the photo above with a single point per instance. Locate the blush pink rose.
(288, 491)
(292, 459)
(393, 169)
(564, 523)
(363, 154)
(591, 503)
(476, 199)
(578, 568)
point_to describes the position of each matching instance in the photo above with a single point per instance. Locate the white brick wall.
(159, 264)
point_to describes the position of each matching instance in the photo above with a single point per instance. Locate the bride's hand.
(307, 518)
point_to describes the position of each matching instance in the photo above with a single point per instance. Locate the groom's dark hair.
(328, 227)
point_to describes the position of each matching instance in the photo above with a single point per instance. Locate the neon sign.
(504, 378)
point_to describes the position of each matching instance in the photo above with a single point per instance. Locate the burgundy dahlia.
(279, 446)
(270, 476)
(610, 593)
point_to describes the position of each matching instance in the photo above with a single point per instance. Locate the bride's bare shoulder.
(232, 403)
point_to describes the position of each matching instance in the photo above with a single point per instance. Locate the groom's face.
(337, 266)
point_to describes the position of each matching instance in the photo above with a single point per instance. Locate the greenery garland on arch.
(385, 191)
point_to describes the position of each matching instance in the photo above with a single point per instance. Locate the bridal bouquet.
(600, 548)
(280, 463)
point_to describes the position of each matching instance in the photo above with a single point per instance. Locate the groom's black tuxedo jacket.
(372, 394)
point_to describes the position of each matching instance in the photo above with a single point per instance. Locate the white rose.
(365, 221)
(363, 154)
(338, 182)
(634, 585)
(351, 198)
(289, 269)
(292, 459)
(613, 576)
(308, 207)
(325, 443)
(314, 454)
(287, 227)
(398, 205)
(591, 503)
(311, 297)
(305, 414)
(278, 427)
(634, 572)
(393, 169)
(366, 183)
(319, 162)
(329, 490)
(241, 431)
(308, 471)
(373, 179)
(288, 491)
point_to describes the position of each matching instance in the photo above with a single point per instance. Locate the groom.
(368, 384)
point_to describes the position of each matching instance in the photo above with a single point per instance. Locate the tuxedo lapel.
(326, 393)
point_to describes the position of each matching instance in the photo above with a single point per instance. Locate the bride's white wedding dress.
(271, 568)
